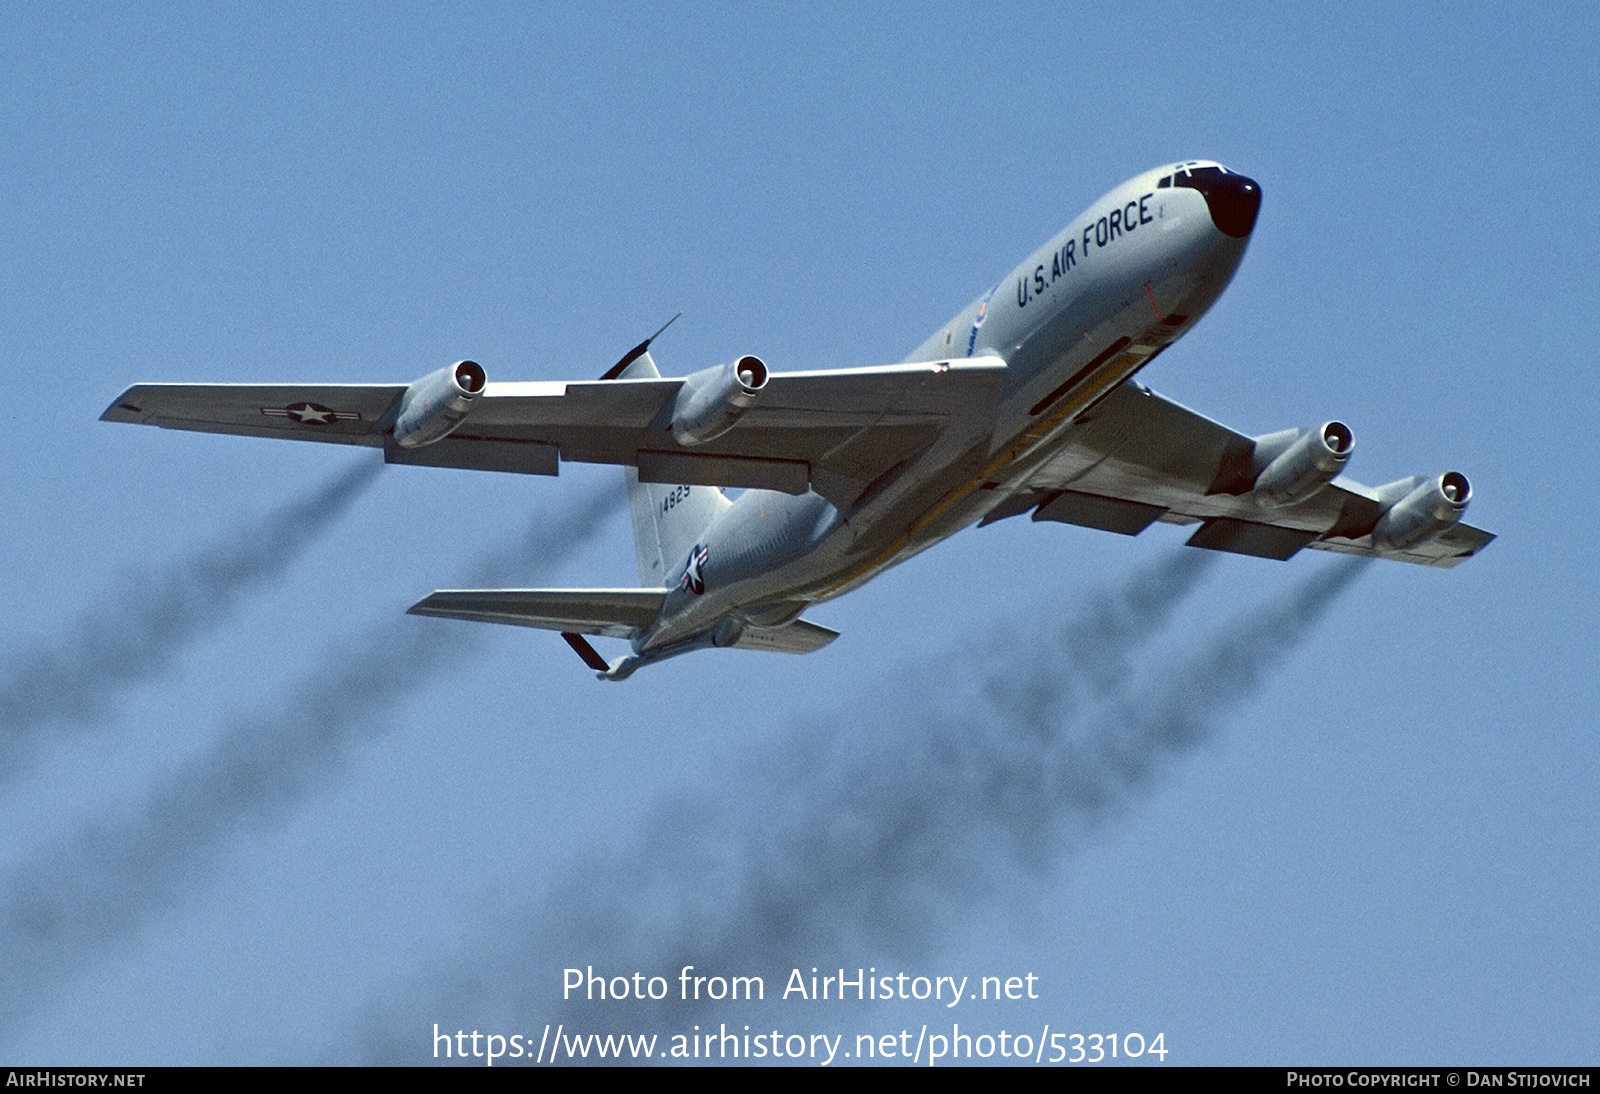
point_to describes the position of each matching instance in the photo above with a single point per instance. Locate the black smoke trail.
(878, 848)
(95, 890)
(135, 632)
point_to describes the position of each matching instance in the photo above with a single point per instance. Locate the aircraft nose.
(1234, 201)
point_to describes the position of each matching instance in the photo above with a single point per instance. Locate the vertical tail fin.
(668, 521)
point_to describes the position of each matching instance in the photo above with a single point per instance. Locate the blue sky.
(315, 826)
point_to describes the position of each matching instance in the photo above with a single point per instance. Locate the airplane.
(1024, 401)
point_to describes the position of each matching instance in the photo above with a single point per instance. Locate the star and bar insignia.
(693, 573)
(311, 413)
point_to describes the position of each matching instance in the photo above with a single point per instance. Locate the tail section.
(616, 613)
(668, 521)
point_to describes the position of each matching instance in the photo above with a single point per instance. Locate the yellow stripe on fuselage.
(1094, 387)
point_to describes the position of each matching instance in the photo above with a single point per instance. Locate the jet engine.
(709, 402)
(433, 406)
(1426, 511)
(1315, 457)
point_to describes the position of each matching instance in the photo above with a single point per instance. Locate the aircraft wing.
(835, 431)
(1138, 457)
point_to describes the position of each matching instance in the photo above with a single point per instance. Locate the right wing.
(834, 431)
(1138, 457)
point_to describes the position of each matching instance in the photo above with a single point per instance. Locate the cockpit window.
(1232, 199)
(1195, 167)
(1189, 174)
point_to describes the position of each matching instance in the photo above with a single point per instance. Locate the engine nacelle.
(433, 406)
(1313, 459)
(1425, 512)
(709, 402)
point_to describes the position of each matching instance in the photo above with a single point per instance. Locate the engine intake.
(710, 402)
(1425, 512)
(432, 407)
(1311, 460)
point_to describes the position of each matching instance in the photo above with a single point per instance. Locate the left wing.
(833, 431)
(1138, 457)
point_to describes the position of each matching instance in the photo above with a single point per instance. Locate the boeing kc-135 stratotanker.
(1024, 401)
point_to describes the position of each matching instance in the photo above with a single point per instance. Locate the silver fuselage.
(1072, 321)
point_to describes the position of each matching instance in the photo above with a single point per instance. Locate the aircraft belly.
(1069, 337)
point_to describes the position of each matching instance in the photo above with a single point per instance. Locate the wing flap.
(1127, 518)
(479, 454)
(613, 613)
(1449, 548)
(695, 469)
(1245, 537)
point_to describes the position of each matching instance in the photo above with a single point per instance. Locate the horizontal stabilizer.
(615, 613)
(801, 636)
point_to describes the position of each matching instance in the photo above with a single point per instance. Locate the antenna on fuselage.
(637, 351)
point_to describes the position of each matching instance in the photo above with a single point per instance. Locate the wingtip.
(422, 607)
(123, 409)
